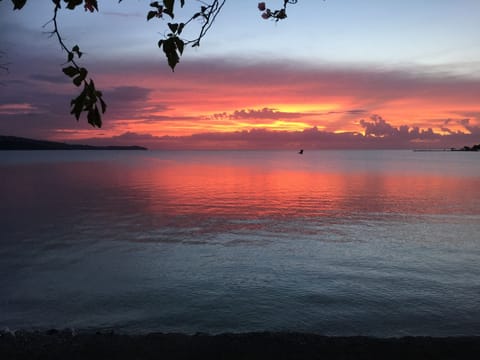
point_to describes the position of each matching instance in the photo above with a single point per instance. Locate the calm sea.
(383, 243)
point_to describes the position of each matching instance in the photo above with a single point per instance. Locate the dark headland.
(55, 344)
(20, 143)
(465, 148)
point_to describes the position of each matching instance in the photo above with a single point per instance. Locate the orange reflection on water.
(259, 191)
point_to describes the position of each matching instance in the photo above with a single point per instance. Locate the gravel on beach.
(65, 344)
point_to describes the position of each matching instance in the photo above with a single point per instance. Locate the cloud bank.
(220, 103)
(378, 134)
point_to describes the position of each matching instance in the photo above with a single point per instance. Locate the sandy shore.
(55, 344)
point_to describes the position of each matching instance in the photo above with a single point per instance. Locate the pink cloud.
(142, 97)
(379, 134)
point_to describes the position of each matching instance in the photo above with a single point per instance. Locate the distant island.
(465, 148)
(20, 143)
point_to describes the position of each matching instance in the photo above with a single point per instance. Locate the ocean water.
(382, 243)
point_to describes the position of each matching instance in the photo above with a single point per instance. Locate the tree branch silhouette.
(90, 100)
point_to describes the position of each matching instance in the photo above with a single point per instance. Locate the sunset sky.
(334, 74)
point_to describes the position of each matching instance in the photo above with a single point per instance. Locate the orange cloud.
(227, 97)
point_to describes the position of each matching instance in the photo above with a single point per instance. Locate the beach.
(55, 344)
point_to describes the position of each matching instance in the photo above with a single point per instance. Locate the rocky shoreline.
(54, 344)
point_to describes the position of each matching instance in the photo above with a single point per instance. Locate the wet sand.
(55, 344)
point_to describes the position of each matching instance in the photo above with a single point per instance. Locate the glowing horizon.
(226, 96)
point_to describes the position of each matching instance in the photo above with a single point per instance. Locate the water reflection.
(191, 195)
(253, 192)
(242, 241)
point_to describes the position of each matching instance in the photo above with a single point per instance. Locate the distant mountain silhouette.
(19, 143)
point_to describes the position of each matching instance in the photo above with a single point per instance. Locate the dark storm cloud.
(54, 79)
